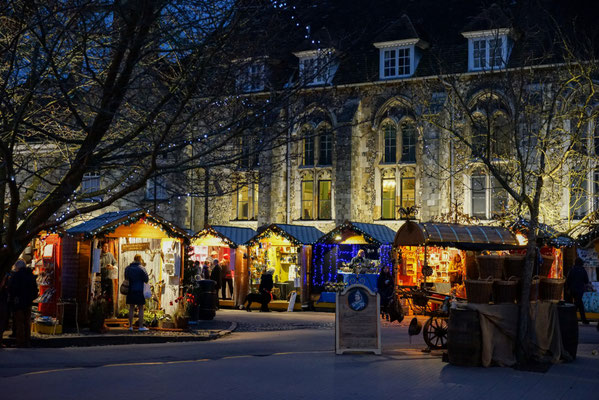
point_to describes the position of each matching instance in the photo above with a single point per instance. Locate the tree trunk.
(522, 342)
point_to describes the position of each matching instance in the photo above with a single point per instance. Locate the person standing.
(576, 281)
(137, 276)
(22, 290)
(206, 270)
(107, 269)
(4, 309)
(227, 276)
(384, 285)
(216, 276)
(265, 289)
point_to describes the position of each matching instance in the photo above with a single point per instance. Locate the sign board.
(357, 321)
(135, 247)
(292, 298)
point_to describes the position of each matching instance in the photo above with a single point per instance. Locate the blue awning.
(233, 235)
(374, 233)
(109, 221)
(298, 234)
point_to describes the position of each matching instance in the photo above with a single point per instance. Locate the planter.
(181, 322)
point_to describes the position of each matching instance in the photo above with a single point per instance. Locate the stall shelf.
(229, 240)
(334, 251)
(287, 249)
(428, 250)
(124, 234)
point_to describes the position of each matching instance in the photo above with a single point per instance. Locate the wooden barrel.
(568, 325)
(464, 338)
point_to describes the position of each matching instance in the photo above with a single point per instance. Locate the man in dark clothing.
(265, 289)
(22, 290)
(216, 276)
(576, 281)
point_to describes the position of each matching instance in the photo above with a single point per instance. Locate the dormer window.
(316, 67)
(251, 76)
(488, 50)
(398, 59)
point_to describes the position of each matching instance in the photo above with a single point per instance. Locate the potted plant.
(98, 311)
(185, 306)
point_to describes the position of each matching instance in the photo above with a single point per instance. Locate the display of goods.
(471, 267)
(591, 302)
(490, 266)
(545, 267)
(479, 291)
(551, 289)
(506, 291)
(514, 266)
(534, 289)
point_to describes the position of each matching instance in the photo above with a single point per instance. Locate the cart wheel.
(435, 333)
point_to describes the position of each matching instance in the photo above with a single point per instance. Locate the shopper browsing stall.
(137, 276)
(22, 290)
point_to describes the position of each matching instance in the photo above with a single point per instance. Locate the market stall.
(104, 246)
(444, 254)
(552, 245)
(229, 244)
(286, 249)
(588, 250)
(335, 251)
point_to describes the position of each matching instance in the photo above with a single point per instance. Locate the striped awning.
(465, 237)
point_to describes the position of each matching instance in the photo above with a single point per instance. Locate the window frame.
(487, 37)
(410, 64)
(251, 202)
(321, 62)
(321, 201)
(393, 152)
(328, 155)
(250, 80)
(88, 177)
(392, 199)
(413, 145)
(304, 201)
(492, 193)
(161, 194)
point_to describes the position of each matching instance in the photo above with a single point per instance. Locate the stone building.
(401, 110)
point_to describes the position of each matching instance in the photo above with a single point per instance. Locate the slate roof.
(352, 26)
(378, 234)
(465, 237)
(381, 233)
(303, 234)
(299, 233)
(100, 221)
(546, 233)
(107, 222)
(239, 236)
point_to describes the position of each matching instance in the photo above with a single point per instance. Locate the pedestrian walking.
(137, 276)
(22, 290)
(384, 285)
(577, 281)
(216, 276)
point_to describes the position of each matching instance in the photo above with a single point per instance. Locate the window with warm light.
(388, 199)
(307, 199)
(324, 199)
(408, 189)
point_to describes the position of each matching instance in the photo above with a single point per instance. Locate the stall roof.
(297, 233)
(235, 236)
(548, 234)
(589, 237)
(109, 221)
(465, 237)
(379, 234)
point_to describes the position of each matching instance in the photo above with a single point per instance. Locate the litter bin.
(207, 299)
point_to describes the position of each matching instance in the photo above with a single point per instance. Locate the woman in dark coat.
(384, 285)
(265, 289)
(136, 276)
(22, 289)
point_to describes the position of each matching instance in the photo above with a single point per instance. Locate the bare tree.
(520, 130)
(130, 91)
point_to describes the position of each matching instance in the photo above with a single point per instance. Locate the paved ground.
(282, 355)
